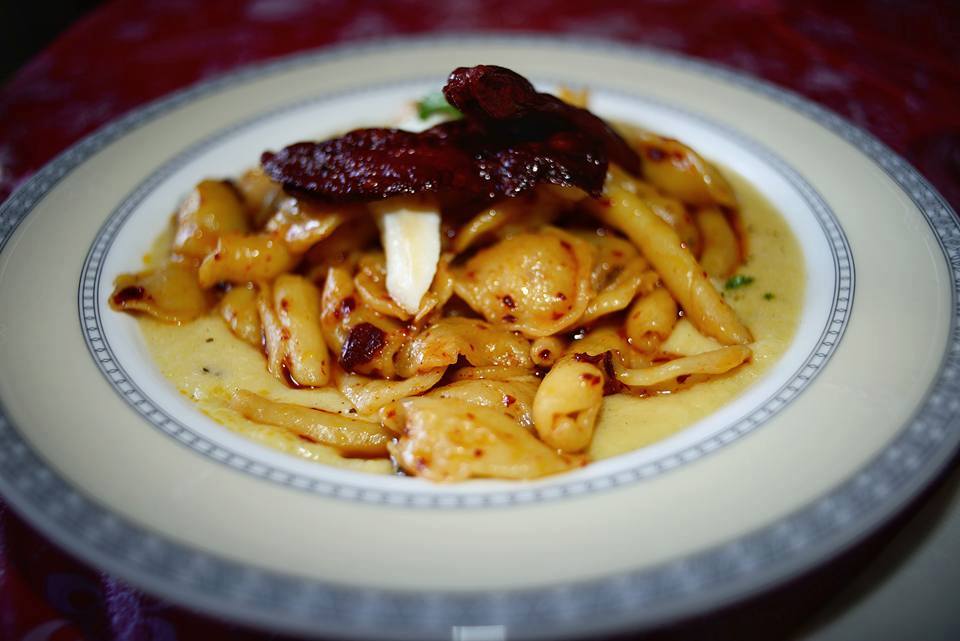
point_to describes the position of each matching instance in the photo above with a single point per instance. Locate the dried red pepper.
(511, 139)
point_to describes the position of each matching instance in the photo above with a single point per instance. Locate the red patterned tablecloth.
(891, 67)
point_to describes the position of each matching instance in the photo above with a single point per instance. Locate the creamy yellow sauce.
(206, 362)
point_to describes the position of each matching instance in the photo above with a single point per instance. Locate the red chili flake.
(307, 438)
(544, 354)
(508, 302)
(127, 294)
(583, 357)
(363, 343)
(347, 305)
(471, 416)
(611, 384)
(284, 304)
(592, 379)
(560, 296)
(509, 400)
(655, 154)
(682, 378)
(566, 245)
(478, 452)
(509, 318)
(557, 315)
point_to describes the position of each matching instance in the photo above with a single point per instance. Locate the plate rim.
(918, 453)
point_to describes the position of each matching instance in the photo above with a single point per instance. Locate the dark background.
(28, 26)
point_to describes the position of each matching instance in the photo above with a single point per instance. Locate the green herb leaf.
(435, 103)
(768, 296)
(740, 280)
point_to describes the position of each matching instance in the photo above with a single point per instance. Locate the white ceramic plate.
(103, 456)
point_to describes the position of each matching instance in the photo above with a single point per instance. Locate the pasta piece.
(567, 404)
(340, 248)
(260, 195)
(370, 283)
(535, 210)
(301, 224)
(273, 341)
(679, 270)
(370, 394)
(450, 440)
(367, 342)
(297, 303)
(681, 172)
(651, 320)
(685, 340)
(513, 398)
(576, 97)
(634, 279)
(371, 286)
(212, 209)
(718, 361)
(484, 223)
(495, 218)
(603, 339)
(477, 341)
(245, 259)
(351, 436)
(545, 351)
(673, 212)
(238, 307)
(169, 293)
(441, 290)
(492, 372)
(721, 249)
(337, 304)
(538, 284)
(612, 254)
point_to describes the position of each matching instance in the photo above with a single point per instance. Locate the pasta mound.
(538, 305)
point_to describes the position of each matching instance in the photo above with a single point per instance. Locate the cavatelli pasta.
(540, 306)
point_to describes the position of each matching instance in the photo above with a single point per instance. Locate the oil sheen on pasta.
(205, 361)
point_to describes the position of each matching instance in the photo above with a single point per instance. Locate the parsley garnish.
(768, 296)
(435, 103)
(740, 280)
